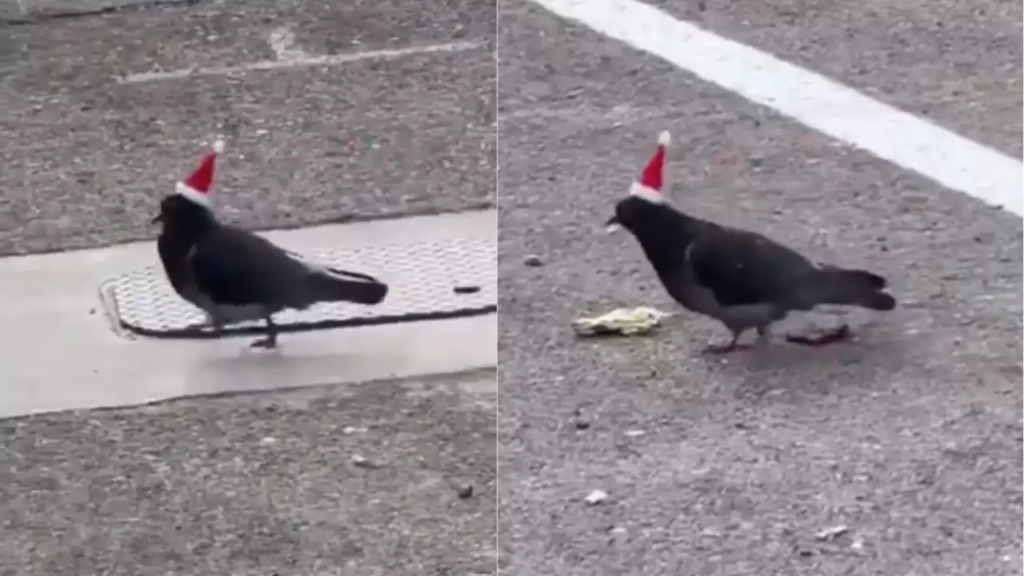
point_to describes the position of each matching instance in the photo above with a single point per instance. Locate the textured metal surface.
(435, 280)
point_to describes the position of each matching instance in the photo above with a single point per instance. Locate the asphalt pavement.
(251, 484)
(897, 454)
(368, 138)
(957, 63)
(382, 478)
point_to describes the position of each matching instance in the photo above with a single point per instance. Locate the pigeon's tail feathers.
(851, 287)
(325, 284)
(338, 286)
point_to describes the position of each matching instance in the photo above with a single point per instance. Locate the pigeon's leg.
(738, 319)
(217, 326)
(764, 334)
(840, 334)
(726, 348)
(271, 340)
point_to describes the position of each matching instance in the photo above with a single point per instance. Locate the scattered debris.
(830, 534)
(621, 321)
(465, 491)
(362, 462)
(581, 423)
(533, 261)
(596, 497)
(634, 433)
(352, 430)
(268, 440)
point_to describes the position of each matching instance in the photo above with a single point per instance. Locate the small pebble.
(533, 261)
(830, 534)
(465, 491)
(582, 424)
(596, 497)
(362, 462)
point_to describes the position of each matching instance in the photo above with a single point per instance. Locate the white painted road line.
(60, 352)
(307, 62)
(822, 104)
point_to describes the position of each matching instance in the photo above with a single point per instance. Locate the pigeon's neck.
(665, 238)
(666, 254)
(191, 229)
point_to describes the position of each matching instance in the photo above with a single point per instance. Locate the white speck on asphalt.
(830, 534)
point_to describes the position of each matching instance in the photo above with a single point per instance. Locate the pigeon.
(234, 275)
(740, 278)
(174, 249)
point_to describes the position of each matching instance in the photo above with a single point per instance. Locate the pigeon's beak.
(612, 225)
(158, 218)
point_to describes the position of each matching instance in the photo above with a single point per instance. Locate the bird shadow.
(777, 366)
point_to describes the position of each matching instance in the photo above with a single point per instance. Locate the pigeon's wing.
(744, 268)
(236, 267)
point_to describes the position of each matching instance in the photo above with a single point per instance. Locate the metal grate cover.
(426, 281)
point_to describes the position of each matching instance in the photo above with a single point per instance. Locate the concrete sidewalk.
(61, 353)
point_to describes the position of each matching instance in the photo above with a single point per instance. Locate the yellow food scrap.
(622, 321)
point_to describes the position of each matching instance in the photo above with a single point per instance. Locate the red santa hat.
(649, 185)
(196, 187)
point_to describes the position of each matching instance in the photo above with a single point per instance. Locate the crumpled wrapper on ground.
(638, 321)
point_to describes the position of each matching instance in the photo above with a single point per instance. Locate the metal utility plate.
(426, 280)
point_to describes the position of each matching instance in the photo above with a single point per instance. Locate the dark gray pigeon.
(740, 278)
(174, 248)
(234, 275)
